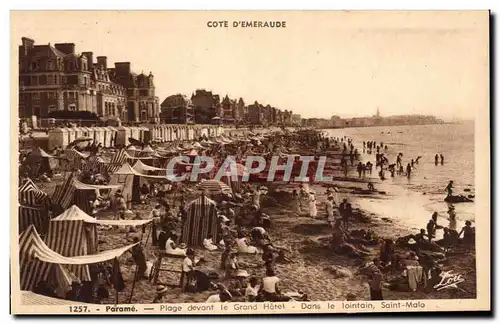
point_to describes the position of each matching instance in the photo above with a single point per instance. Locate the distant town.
(54, 79)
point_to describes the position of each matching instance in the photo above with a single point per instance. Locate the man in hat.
(161, 290)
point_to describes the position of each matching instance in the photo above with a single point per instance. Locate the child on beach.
(329, 211)
(313, 211)
(296, 203)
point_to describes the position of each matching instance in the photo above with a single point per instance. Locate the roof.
(74, 213)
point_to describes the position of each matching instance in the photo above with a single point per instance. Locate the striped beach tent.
(201, 222)
(73, 233)
(30, 194)
(117, 160)
(95, 164)
(214, 187)
(33, 206)
(73, 159)
(75, 192)
(38, 262)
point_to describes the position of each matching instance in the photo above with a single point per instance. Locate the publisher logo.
(449, 280)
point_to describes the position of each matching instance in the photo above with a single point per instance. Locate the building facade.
(55, 78)
(206, 106)
(177, 109)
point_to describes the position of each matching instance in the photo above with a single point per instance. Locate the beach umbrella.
(214, 187)
(197, 145)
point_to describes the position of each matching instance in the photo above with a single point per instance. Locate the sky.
(340, 63)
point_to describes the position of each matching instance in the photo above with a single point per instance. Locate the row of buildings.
(56, 78)
(375, 120)
(205, 107)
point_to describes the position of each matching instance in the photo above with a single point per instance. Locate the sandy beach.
(306, 238)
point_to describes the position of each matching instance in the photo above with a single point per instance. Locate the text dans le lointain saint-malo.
(246, 24)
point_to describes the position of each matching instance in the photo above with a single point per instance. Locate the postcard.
(250, 162)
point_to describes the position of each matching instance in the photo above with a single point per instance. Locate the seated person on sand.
(209, 244)
(171, 248)
(371, 187)
(371, 267)
(223, 295)
(270, 288)
(259, 236)
(418, 242)
(340, 245)
(243, 246)
(232, 267)
(469, 234)
(252, 289)
(411, 277)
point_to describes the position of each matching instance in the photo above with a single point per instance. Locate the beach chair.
(175, 262)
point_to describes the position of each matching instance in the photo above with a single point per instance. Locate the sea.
(411, 202)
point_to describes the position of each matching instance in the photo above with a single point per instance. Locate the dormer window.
(34, 66)
(50, 65)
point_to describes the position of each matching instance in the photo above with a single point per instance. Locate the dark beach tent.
(201, 222)
(75, 192)
(72, 159)
(33, 207)
(39, 162)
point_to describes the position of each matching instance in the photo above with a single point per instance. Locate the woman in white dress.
(313, 211)
(296, 202)
(171, 248)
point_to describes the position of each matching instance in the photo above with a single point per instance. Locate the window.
(52, 108)
(72, 107)
(34, 80)
(42, 79)
(34, 66)
(35, 95)
(50, 79)
(71, 95)
(51, 95)
(50, 65)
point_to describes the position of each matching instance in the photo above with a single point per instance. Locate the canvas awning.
(83, 186)
(76, 214)
(127, 169)
(32, 244)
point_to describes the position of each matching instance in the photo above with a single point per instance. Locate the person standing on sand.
(432, 226)
(360, 169)
(442, 158)
(296, 202)
(375, 283)
(436, 159)
(345, 209)
(313, 211)
(449, 188)
(330, 216)
(408, 171)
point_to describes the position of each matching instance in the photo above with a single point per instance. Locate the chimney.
(102, 62)
(66, 48)
(90, 59)
(122, 68)
(28, 44)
